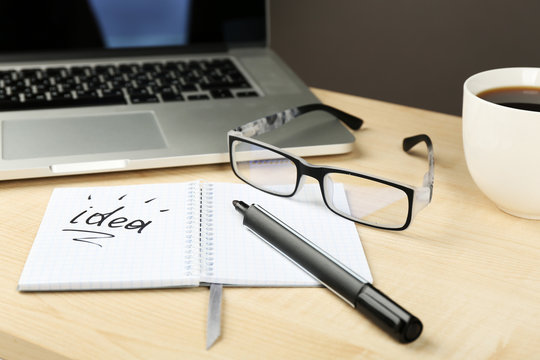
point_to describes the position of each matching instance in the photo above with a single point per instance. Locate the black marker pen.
(356, 291)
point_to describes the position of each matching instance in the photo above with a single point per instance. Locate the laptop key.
(32, 74)
(10, 103)
(143, 98)
(80, 70)
(187, 87)
(242, 94)
(171, 65)
(165, 91)
(221, 93)
(87, 97)
(215, 85)
(198, 97)
(102, 69)
(59, 71)
(125, 68)
(36, 102)
(172, 97)
(111, 96)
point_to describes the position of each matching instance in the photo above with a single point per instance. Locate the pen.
(356, 291)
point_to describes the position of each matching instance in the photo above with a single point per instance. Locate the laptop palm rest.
(81, 135)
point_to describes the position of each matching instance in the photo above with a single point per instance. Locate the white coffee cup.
(502, 144)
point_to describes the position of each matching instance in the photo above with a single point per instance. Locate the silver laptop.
(100, 85)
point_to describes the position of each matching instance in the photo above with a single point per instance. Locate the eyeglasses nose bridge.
(313, 171)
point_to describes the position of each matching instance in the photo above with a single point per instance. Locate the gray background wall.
(415, 52)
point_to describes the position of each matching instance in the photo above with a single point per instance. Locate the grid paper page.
(114, 238)
(238, 257)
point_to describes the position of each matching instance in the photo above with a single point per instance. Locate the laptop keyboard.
(129, 83)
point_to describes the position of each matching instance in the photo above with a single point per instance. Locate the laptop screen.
(109, 25)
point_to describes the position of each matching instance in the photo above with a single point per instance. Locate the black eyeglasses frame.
(318, 172)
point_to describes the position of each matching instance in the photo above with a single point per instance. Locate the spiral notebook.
(176, 235)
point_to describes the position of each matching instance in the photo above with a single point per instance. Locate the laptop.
(97, 85)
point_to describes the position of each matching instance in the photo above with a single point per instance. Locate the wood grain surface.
(469, 271)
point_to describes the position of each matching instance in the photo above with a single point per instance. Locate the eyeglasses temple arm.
(409, 143)
(274, 121)
(351, 121)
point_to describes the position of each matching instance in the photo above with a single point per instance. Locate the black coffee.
(518, 97)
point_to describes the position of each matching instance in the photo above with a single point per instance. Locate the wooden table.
(469, 271)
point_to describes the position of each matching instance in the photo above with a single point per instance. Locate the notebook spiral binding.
(206, 230)
(192, 207)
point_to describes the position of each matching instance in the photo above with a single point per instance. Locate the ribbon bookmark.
(213, 325)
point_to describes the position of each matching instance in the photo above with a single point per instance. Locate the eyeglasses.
(362, 198)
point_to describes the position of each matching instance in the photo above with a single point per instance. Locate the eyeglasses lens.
(367, 201)
(263, 168)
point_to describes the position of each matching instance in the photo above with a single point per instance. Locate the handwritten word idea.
(113, 219)
(102, 219)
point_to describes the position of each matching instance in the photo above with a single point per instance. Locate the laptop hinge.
(99, 53)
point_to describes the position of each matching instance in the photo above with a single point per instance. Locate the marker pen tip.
(240, 206)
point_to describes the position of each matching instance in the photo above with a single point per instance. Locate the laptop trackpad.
(38, 138)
